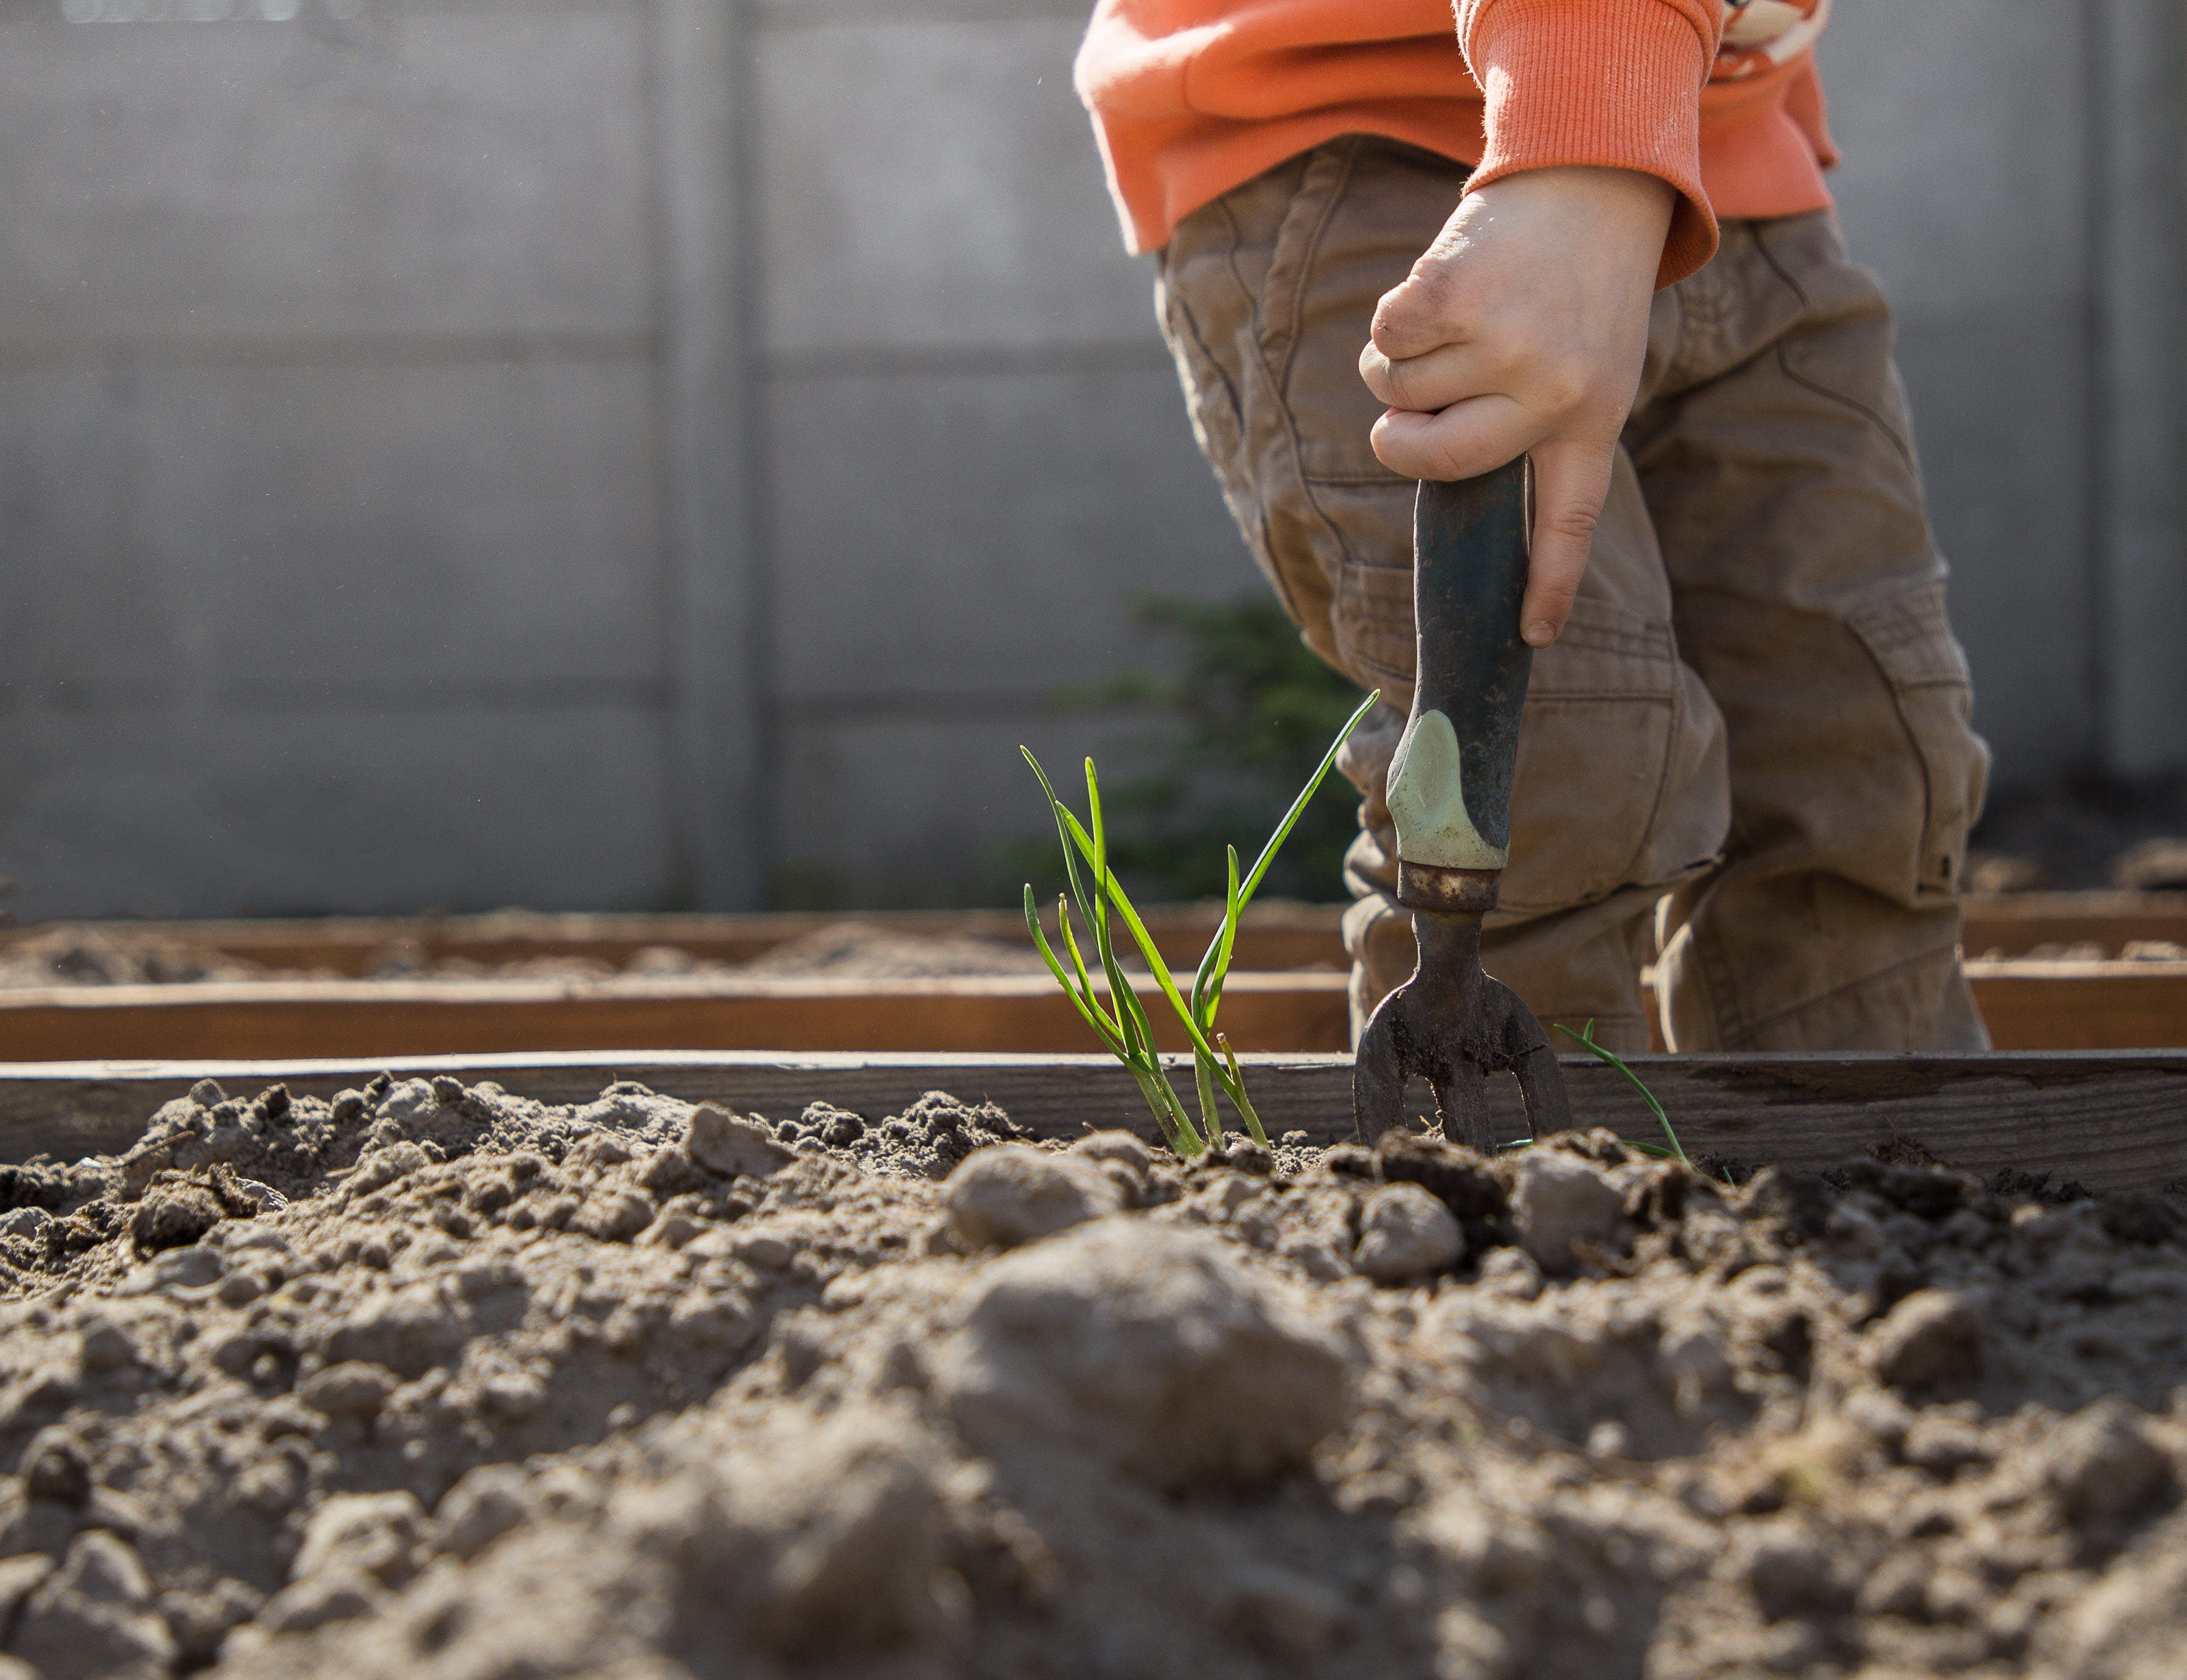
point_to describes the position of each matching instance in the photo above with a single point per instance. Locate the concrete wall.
(328, 369)
(977, 453)
(634, 452)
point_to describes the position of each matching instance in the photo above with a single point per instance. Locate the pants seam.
(1172, 300)
(1278, 379)
(1716, 970)
(1671, 739)
(1858, 407)
(1250, 303)
(1784, 364)
(1295, 307)
(1770, 256)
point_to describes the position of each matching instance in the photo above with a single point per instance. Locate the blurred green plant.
(1241, 721)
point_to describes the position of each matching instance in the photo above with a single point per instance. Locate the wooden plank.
(2082, 1006)
(2111, 1120)
(2013, 923)
(1017, 1013)
(2074, 1006)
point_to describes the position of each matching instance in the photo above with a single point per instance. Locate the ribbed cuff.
(1613, 83)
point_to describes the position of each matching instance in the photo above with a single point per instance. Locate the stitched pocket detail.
(1372, 617)
(1621, 779)
(1911, 639)
(1374, 623)
(1604, 654)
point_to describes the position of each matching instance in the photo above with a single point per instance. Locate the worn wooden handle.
(1450, 782)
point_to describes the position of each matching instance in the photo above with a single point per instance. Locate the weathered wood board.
(1002, 1013)
(2112, 1121)
(2082, 1006)
(2015, 923)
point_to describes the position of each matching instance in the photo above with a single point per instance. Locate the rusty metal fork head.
(1454, 1025)
(1450, 801)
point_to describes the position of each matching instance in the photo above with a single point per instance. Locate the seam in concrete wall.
(712, 489)
(2137, 272)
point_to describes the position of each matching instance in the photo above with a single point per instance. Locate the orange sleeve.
(1610, 82)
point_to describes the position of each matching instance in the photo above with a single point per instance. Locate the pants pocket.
(1622, 778)
(1373, 619)
(1911, 639)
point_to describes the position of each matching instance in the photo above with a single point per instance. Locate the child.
(1595, 232)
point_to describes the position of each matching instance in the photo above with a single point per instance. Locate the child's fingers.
(1420, 314)
(1571, 480)
(1448, 374)
(1464, 440)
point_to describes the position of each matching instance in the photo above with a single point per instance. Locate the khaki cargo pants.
(1748, 758)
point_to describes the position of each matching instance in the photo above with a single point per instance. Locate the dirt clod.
(94, 1616)
(1154, 1350)
(1405, 1232)
(1010, 1195)
(2103, 1461)
(1560, 1208)
(1932, 1336)
(720, 1142)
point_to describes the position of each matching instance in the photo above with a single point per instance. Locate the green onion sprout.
(1122, 1023)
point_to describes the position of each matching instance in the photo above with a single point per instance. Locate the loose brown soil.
(70, 956)
(436, 1382)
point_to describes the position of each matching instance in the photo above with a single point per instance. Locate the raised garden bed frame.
(1287, 995)
(2110, 1122)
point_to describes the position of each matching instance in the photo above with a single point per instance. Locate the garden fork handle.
(1450, 780)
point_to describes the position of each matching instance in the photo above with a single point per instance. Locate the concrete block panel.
(935, 185)
(2001, 412)
(80, 623)
(288, 533)
(411, 174)
(393, 811)
(884, 812)
(984, 533)
(1964, 131)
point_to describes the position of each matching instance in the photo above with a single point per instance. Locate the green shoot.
(1586, 1040)
(1122, 1024)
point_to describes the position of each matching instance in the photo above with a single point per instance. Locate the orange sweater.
(1720, 97)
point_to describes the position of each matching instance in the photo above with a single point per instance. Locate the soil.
(73, 956)
(862, 949)
(434, 1381)
(66, 955)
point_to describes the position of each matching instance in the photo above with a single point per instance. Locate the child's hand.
(1522, 329)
